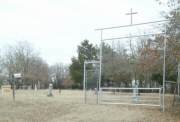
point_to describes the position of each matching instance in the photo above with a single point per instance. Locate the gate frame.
(85, 80)
(131, 25)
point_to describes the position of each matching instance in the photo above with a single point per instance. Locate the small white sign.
(17, 75)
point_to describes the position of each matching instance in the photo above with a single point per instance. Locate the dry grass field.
(31, 106)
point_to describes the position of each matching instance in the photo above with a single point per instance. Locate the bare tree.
(61, 74)
(23, 58)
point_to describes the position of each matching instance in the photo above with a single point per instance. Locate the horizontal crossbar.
(113, 88)
(139, 100)
(130, 104)
(115, 27)
(133, 36)
(91, 62)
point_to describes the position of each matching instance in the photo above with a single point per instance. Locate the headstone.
(29, 87)
(59, 91)
(96, 91)
(135, 90)
(50, 90)
(35, 87)
(6, 90)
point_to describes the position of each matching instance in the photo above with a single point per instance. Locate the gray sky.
(56, 27)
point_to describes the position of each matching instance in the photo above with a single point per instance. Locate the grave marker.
(6, 90)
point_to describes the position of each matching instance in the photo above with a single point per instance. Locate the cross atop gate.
(131, 14)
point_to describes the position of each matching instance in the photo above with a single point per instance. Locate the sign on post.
(15, 76)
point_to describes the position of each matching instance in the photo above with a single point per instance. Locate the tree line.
(142, 62)
(25, 59)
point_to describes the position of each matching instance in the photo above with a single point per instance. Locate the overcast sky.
(56, 27)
